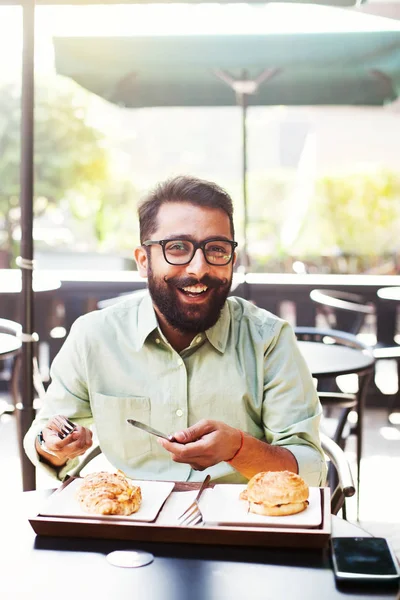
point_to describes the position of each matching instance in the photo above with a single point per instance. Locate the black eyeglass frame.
(196, 246)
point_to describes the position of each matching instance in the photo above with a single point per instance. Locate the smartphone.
(364, 559)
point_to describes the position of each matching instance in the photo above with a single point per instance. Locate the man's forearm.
(256, 455)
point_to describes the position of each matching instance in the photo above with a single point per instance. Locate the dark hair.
(182, 189)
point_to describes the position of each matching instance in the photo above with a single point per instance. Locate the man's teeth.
(195, 289)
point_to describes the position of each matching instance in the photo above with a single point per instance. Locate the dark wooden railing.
(286, 295)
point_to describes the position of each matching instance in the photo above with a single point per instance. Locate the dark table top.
(389, 293)
(326, 360)
(40, 568)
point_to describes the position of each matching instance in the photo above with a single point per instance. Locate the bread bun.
(106, 493)
(276, 493)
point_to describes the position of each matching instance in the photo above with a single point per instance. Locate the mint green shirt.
(246, 371)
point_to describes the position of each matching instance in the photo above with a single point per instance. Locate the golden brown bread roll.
(106, 493)
(276, 493)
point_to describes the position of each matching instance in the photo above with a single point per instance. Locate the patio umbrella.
(357, 64)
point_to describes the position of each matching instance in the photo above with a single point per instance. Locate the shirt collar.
(146, 320)
(218, 334)
(147, 323)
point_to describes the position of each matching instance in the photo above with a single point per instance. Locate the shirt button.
(179, 412)
(158, 341)
(199, 338)
(179, 362)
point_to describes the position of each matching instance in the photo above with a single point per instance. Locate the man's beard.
(188, 319)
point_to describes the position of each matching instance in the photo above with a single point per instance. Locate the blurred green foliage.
(337, 223)
(349, 223)
(72, 164)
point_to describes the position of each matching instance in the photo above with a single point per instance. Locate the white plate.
(222, 505)
(64, 503)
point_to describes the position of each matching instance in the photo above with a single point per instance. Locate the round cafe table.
(332, 360)
(43, 567)
(9, 344)
(9, 347)
(389, 293)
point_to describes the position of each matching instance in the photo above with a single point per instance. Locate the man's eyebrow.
(190, 238)
(179, 236)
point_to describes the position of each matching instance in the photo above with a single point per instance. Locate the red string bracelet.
(240, 447)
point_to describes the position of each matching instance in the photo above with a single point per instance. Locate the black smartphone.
(364, 559)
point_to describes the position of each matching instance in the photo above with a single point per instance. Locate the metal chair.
(10, 352)
(345, 485)
(344, 311)
(11, 334)
(347, 311)
(344, 402)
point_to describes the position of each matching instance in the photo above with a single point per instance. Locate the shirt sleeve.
(66, 395)
(291, 407)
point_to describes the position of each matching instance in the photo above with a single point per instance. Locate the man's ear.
(234, 259)
(140, 256)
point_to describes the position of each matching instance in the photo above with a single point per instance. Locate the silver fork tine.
(189, 513)
(64, 425)
(194, 503)
(195, 519)
(193, 510)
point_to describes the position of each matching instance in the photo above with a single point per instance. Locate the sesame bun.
(276, 493)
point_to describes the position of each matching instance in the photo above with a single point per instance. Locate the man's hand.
(75, 444)
(204, 444)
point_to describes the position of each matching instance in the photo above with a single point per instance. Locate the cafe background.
(323, 189)
(324, 183)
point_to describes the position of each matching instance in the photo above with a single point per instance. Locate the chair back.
(343, 310)
(331, 336)
(345, 484)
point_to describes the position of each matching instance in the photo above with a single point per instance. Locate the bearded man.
(224, 377)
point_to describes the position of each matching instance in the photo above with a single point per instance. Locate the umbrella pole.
(243, 88)
(25, 412)
(242, 99)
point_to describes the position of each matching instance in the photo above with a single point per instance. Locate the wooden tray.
(215, 535)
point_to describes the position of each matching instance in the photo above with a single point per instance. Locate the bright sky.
(164, 19)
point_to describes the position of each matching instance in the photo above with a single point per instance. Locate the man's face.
(189, 297)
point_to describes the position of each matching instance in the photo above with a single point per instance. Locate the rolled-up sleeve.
(66, 395)
(291, 407)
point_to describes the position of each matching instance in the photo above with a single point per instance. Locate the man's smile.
(194, 290)
(194, 293)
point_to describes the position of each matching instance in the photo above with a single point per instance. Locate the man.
(225, 377)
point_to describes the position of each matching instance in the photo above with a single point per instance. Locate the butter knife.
(149, 429)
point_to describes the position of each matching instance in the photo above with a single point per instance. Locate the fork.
(64, 426)
(192, 515)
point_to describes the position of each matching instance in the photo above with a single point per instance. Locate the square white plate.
(222, 505)
(64, 503)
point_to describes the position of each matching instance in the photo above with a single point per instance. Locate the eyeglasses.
(217, 252)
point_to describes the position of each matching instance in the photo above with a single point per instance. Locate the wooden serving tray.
(216, 535)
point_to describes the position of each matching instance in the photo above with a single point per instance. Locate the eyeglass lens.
(217, 252)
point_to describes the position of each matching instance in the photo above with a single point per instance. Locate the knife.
(149, 429)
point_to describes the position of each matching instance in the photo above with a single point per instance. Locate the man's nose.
(198, 265)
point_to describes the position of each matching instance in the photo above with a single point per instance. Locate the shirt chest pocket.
(118, 438)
